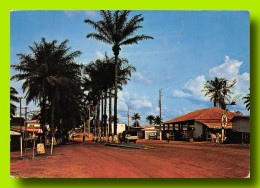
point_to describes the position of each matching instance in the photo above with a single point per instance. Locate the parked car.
(128, 136)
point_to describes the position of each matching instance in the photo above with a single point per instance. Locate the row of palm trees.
(117, 30)
(99, 84)
(69, 93)
(52, 80)
(155, 120)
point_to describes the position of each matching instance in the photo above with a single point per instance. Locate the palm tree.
(135, 118)
(13, 98)
(117, 30)
(100, 80)
(157, 120)
(247, 100)
(150, 119)
(219, 91)
(50, 74)
(238, 112)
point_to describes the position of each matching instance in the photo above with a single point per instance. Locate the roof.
(149, 129)
(14, 133)
(148, 126)
(209, 116)
(22, 129)
(33, 121)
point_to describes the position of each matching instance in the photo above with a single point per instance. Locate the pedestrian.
(168, 137)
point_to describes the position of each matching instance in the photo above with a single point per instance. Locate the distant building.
(120, 128)
(151, 131)
(33, 123)
(200, 124)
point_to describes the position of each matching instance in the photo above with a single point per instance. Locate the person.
(168, 137)
(213, 137)
(83, 137)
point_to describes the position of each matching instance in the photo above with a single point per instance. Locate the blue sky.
(189, 47)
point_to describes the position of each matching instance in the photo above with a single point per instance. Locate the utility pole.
(25, 126)
(20, 101)
(128, 116)
(160, 108)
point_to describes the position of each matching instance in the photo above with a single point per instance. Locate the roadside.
(173, 160)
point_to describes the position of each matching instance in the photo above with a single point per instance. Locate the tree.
(238, 112)
(13, 98)
(157, 120)
(150, 119)
(135, 118)
(219, 91)
(247, 100)
(117, 30)
(100, 82)
(52, 79)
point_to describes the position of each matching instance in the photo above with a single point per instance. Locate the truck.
(128, 136)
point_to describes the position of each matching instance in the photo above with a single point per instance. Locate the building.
(120, 127)
(151, 131)
(200, 124)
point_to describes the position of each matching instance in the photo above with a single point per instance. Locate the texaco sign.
(224, 119)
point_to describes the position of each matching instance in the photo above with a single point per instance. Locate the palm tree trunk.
(110, 113)
(98, 117)
(105, 114)
(102, 115)
(115, 99)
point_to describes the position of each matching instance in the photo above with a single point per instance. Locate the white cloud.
(229, 69)
(91, 13)
(194, 86)
(69, 13)
(138, 104)
(99, 54)
(179, 93)
(143, 102)
(139, 77)
(192, 89)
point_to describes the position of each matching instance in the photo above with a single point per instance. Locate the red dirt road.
(174, 160)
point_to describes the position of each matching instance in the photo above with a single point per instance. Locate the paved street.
(174, 160)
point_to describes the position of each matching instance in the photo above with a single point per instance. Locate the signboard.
(224, 119)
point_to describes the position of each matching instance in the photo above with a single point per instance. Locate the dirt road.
(174, 160)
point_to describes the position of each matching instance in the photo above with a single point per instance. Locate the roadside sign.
(224, 119)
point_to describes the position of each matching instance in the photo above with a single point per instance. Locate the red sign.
(224, 119)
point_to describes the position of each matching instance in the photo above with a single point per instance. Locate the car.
(128, 136)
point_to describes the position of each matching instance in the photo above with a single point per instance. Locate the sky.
(189, 48)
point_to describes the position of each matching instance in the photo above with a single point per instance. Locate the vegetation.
(99, 83)
(13, 98)
(219, 91)
(52, 81)
(117, 30)
(247, 100)
(136, 117)
(150, 119)
(157, 120)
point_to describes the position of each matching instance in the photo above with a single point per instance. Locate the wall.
(198, 132)
(241, 125)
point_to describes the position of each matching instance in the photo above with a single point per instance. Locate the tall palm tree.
(117, 30)
(49, 72)
(100, 80)
(247, 100)
(157, 120)
(219, 91)
(13, 98)
(150, 119)
(135, 118)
